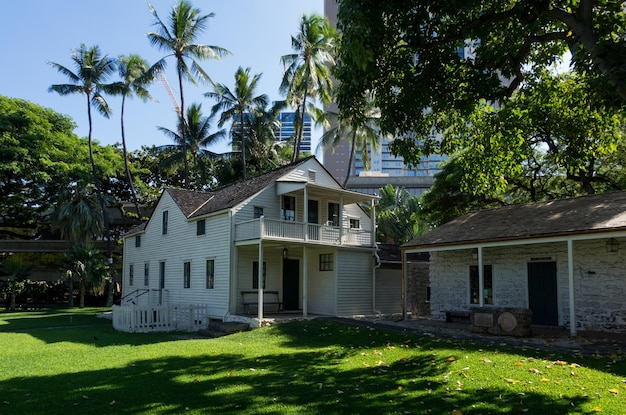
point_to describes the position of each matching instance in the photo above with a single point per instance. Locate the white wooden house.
(314, 240)
(565, 260)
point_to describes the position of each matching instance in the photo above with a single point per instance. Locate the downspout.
(376, 266)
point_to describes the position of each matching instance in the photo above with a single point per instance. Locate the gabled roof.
(194, 203)
(565, 217)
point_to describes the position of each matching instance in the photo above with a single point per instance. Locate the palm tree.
(93, 70)
(260, 131)
(85, 263)
(197, 135)
(79, 218)
(136, 75)
(234, 104)
(363, 132)
(184, 26)
(17, 271)
(307, 72)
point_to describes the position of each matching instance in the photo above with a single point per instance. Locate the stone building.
(563, 260)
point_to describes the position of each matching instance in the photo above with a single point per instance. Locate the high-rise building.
(287, 129)
(385, 168)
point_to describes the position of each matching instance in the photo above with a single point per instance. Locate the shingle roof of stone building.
(573, 216)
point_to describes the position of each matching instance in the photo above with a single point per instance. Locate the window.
(137, 241)
(201, 227)
(487, 284)
(333, 214)
(165, 218)
(326, 262)
(187, 275)
(288, 210)
(258, 212)
(131, 274)
(210, 273)
(355, 224)
(255, 274)
(146, 274)
(162, 274)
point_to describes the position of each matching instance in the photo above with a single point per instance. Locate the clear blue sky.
(35, 32)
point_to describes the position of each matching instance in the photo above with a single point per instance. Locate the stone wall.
(418, 288)
(599, 281)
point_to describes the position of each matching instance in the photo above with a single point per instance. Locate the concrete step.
(219, 329)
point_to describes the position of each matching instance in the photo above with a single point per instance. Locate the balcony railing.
(272, 229)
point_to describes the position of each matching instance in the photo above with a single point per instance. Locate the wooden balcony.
(280, 230)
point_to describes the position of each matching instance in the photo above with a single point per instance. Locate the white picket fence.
(167, 317)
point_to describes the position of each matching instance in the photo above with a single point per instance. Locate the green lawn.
(68, 361)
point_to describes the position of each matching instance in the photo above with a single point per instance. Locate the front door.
(542, 293)
(291, 284)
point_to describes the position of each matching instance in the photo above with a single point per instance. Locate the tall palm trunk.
(351, 159)
(182, 124)
(105, 214)
(296, 152)
(243, 145)
(128, 176)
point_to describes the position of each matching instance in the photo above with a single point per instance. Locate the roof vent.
(312, 174)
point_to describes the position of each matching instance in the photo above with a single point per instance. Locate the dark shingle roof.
(578, 215)
(194, 203)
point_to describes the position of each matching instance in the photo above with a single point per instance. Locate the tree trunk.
(12, 306)
(81, 291)
(182, 123)
(128, 176)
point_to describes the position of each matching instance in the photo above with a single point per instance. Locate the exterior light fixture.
(285, 253)
(612, 245)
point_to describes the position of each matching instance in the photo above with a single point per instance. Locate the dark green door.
(291, 284)
(542, 293)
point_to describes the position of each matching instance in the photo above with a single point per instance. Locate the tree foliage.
(421, 58)
(178, 36)
(553, 127)
(307, 73)
(38, 152)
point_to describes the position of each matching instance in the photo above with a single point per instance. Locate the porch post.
(261, 279)
(404, 283)
(341, 220)
(305, 281)
(570, 283)
(373, 223)
(306, 214)
(481, 278)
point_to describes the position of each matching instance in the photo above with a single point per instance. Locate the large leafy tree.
(553, 126)
(136, 76)
(38, 151)
(197, 135)
(178, 36)
(307, 69)
(93, 70)
(235, 104)
(421, 58)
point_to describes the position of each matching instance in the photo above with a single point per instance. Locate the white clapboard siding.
(354, 283)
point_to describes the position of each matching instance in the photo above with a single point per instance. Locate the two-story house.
(289, 240)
